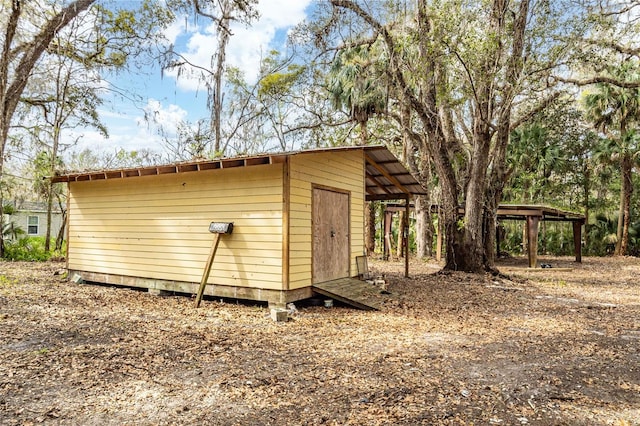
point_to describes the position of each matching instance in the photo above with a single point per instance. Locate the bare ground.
(551, 347)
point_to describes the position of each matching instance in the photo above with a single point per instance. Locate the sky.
(170, 98)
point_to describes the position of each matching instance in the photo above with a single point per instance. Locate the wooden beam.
(405, 236)
(498, 238)
(577, 240)
(286, 208)
(532, 240)
(378, 184)
(207, 269)
(188, 288)
(386, 174)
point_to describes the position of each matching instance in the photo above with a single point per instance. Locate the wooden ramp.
(351, 291)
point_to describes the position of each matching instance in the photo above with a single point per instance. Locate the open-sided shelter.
(298, 221)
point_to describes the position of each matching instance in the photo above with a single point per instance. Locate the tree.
(460, 72)
(615, 111)
(64, 90)
(356, 88)
(612, 33)
(66, 98)
(222, 13)
(18, 56)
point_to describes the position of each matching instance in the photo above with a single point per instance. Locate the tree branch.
(599, 79)
(532, 113)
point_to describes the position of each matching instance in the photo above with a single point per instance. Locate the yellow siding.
(157, 226)
(340, 170)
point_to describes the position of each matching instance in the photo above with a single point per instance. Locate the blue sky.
(172, 98)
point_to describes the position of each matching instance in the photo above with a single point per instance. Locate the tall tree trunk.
(420, 167)
(586, 188)
(60, 237)
(364, 133)
(424, 227)
(3, 137)
(498, 174)
(401, 237)
(47, 238)
(218, 64)
(370, 227)
(618, 247)
(61, 232)
(627, 189)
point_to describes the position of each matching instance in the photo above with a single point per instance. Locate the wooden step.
(351, 291)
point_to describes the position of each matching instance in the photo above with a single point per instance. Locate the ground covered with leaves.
(559, 346)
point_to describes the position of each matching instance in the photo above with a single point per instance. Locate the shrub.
(30, 249)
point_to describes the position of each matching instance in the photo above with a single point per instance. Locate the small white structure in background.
(31, 217)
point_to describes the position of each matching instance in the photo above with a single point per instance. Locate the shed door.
(330, 235)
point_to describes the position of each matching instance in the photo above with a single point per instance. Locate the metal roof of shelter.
(386, 177)
(521, 211)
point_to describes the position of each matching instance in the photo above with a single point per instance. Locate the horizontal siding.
(340, 170)
(157, 226)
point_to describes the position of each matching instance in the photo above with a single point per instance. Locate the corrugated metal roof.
(386, 177)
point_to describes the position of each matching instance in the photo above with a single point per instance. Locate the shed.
(298, 221)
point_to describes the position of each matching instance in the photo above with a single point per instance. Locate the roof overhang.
(386, 177)
(522, 211)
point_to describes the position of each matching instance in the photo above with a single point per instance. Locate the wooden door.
(331, 245)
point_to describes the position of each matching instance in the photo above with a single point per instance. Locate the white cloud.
(132, 132)
(159, 116)
(177, 27)
(247, 45)
(196, 40)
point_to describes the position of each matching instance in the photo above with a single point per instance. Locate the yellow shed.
(298, 221)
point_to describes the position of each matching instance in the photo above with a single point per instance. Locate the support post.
(577, 240)
(207, 269)
(216, 228)
(405, 230)
(532, 240)
(498, 240)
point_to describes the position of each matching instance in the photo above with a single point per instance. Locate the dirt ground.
(559, 346)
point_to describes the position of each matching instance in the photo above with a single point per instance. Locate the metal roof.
(386, 177)
(521, 211)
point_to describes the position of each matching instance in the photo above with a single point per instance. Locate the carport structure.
(531, 214)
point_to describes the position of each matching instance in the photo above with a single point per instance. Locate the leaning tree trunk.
(62, 231)
(47, 238)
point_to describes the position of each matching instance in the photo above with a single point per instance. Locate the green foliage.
(30, 249)
(602, 235)
(279, 83)
(6, 282)
(10, 231)
(354, 83)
